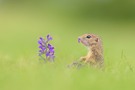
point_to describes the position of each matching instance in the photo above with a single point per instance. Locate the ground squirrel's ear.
(97, 40)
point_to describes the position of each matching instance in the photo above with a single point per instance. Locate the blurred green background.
(22, 22)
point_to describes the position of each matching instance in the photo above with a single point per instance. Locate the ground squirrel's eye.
(88, 36)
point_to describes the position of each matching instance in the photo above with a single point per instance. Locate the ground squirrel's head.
(89, 39)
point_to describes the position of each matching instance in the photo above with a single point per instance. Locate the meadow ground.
(20, 68)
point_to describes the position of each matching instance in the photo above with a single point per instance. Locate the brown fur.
(95, 50)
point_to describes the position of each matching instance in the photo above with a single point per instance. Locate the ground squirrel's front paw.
(91, 61)
(82, 58)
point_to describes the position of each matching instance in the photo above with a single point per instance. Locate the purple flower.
(50, 52)
(46, 50)
(42, 45)
(48, 37)
(40, 42)
(50, 46)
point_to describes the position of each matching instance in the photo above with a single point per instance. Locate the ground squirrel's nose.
(79, 39)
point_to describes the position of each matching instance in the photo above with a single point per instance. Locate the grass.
(21, 70)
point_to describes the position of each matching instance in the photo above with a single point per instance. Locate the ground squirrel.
(95, 50)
